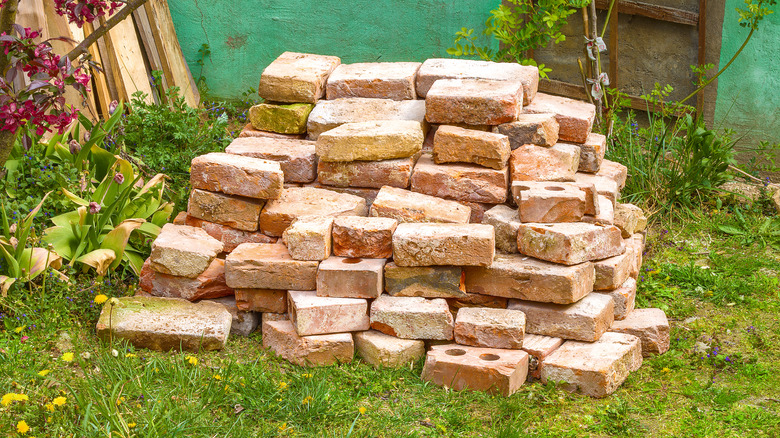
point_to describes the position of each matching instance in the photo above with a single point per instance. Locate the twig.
(738, 170)
(131, 5)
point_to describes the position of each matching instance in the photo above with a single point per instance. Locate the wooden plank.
(174, 65)
(128, 54)
(613, 48)
(99, 85)
(108, 52)
(657, 12)
(702, 48)
(149, 45)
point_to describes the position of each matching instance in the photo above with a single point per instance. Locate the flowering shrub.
(81, 11)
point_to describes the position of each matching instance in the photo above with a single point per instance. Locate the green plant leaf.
(728, 229)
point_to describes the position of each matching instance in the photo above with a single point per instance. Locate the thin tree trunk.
(7, 20)
(7, 139)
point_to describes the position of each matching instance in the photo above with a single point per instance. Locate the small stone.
(424, 281)
(380, 80)
(330, 114)
(297, 77)
(585, 320)
(165, 324)
(473, 101)
(371, 174)
(406, 206)
(296, 158)
(575, 117)
(520, 277)
(249, 131)
(350, 277)
(604, 186)
(244, 323)
(506, 222)
(278, 214)
(381, 350)
(315, 315)
(209, 284)
(592, 153)
(595, 369)
(537, 129)
(538, 163)
(650, 325)
(569, 243)
(624, 298)
(412, 317)
(614, 171)
(443, 244)
(461, 367)
(630, 219)
(229, 236)
(371, 141)
(453, 144)
(317, 350)
(492, 328)
(262, 300)
(308, 237)
(363, 237)
(547, 202)
(606, 215)
(444, 68)
(538, 348)
(268, 266)
(281, 118)
(235, 175)
(612, 272)
(183, 251)
(230, 211)
(461, 182)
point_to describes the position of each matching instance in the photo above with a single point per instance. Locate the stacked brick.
(444, 209)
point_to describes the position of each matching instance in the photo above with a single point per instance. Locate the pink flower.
(94, 207)
(24, 338)
(74, 147)
(119, 178)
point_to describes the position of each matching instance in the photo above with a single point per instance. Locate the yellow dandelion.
(283, 427)
(119, 401)
(50, 407)
(19, 329)
(48, 419)
(130, 355)
(282, 385)
(100, 299)
(22, 427)
(306, 400)
(362, 410)
(307, 375)
(11, 397)
(217, 377)
(131, 425)
(666, 370)
(138, 406)
(43, 373)
(67, 357)
(192, 360)
(59, 401)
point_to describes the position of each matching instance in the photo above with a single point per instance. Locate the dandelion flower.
(665, 370)
(282, 385)
(306, 400)
(49, 407)
(20, 328)
(114, 301)
(100, 299)
(217, 377)
(7, 399)
(59, 401)
(130, 355)
(131, 425)
(43, 373)
(307, 375)
(22, 427)
(362, 410)
(67, 357)
(192, 360)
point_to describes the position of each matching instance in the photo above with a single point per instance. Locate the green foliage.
(755, 11)
(765, 231)
(518, 29)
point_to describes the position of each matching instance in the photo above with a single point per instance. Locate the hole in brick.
(548, 225)
(523, 188)
(554, 189)
(455, 352)
(352, 260)
(488, 356)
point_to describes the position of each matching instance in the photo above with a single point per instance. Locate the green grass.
(719, 292)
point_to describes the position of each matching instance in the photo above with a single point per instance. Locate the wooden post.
(702, 49)
(613, 48)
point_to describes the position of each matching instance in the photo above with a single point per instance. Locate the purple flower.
(112, 107)
(119, 178)
(94, 207)
(74, 147)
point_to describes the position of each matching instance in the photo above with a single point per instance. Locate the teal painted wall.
(749, 91)
(246, 35)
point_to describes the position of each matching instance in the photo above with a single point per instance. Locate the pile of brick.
(442, 208)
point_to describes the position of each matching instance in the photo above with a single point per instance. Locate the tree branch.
(7, 20)
(130, 6)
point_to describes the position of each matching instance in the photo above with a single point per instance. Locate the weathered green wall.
(749, 91)
(246, 35)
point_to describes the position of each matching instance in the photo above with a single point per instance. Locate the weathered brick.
(592, 153)
(538, 348)
(521, 277)
(538, 163)
(637, 244)
(209, 284)
(604, 186)
(381, 350)
(350, 277)
(585, 320)
(630, 219)
(315, 315)
(369, 194)
(443, 244)
(231, 211)
(478, 210)
(371, 141)
(296, 158)
(506, 222)
(473, 101)
(606, 215)
(363, 237)
(297, 77)
(381, 80)
(234, 175)
(612, 272)
(268, 266)
(262, 300)
(229, 236)
(244, 322)
(462, 182)
(461, 367)
(424, 281)
(308, 237)
(492, 328)
(183, 251)
(547, 202)
(575, 117)
(249, 131)
(614, 171)
(330, 114)
(596, 368)
(569, 243)
(278, 214)
(476, 300)
(650, 325)
(406, 206)
(624, 298)
(592, 202)
(453, 144)
(280, 118)
(371, 174)
(412, 317)
(444, 68)
(538, 129)
(317, 350)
